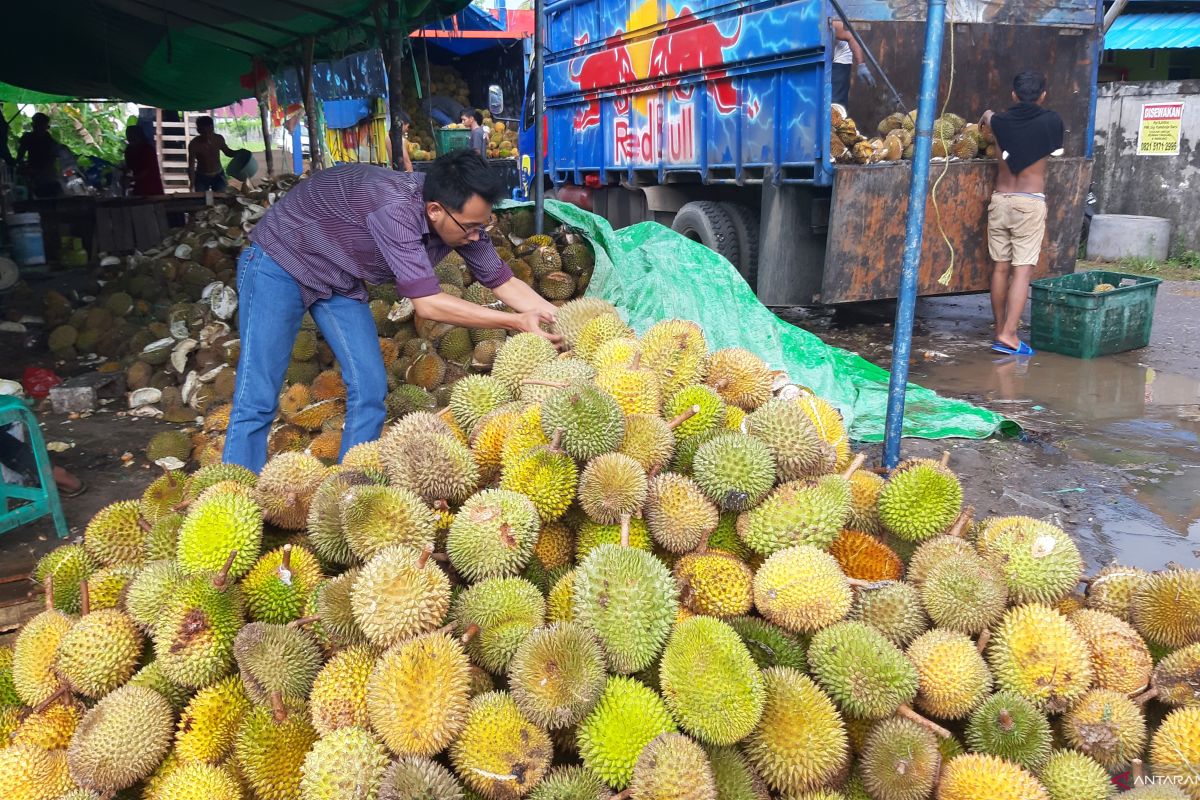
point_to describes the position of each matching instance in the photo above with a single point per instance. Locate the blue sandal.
(1022, 349)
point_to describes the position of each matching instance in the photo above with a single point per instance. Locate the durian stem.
(1146, 697)
(636, 362)
(858, 583)
(909, 714)
(441, 505)
(721, 385)
(961, 521)
(181, 506)
(624, 530)
(1006, 720)
(854, 465)
(144, 525)
(424, 557)
(85, 598)
(440, 557)
(470, 633)
(223, 575)
(556, 440)
(447, 629)
(300, 623)
(984, 637)
(49, 585)
(278, 710)
(551, 384)
(624, 794)
(286, 562)
(687, 414)
(945, 462)
(61, 691)
(1137, 772)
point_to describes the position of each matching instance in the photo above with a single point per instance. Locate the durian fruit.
(865, 557)
(830, 425)
(270, 749)
(163, 538)
(48, 729)
(1166, 608)
(963, 593)
(800, 743)
(894, 609)
(920, 500)
(864, 498)
(1175, 750)
(487, 440)
(769, 645)
(695, 410)
(552, 375)
(377, 517)
(1068, 775)
(555, 546)
(99, 653)
(673, 767)
(216, 524)
(152, 677)
(32, 773)
(1175, 680)
(598, 330)
(572, 317)
(520, 356)
(196, 781)
(68, 566)
(436, 466)
(1039, 562)
(331, 603)
(626, 718)
(785, 427)
(733, 776)
(325, 533)
(500, 753)
(570, 783)
(801, 589)
(933, 552)
(973, 775)
(277, 662)
(121, 740)
(398, 594)
(591, 421)
(1037, 653)
(1112, 590)
(115, 535)
(207, 477)
(714, 584)
(734, 470)
(797, 513)
(494, 616)
(592, 534)
(1120, 659)
(193, 638)
(676, 351)
(415, 778)
(209, 724)
(617, 353)
(709, 681)
(285, 487)
(1009, 726)
(545, 474)
(1107, 726)
(952, 678)
(493, 534)
(866, 674)
(162, 496)
(417, 694)
(347, 764)
(900, 760)
(628, 599)
(678, 513)
(556, 675)
(560, 599)
(635, 389)
(278, 586)
(33, 676)
(475, 396)
(339, 692)
(742, 378)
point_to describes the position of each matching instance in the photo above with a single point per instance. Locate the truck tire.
(745, 223)
(710, 224)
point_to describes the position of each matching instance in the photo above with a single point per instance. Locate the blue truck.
(713, 117)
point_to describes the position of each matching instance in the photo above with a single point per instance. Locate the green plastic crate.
(1069, 318)
(447, 139)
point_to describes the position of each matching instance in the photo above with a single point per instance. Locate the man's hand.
(864, 74)
(531, 322)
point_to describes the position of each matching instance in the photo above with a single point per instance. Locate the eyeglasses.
(474, 228)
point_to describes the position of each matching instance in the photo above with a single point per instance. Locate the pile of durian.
(953, 138)
(637, 569)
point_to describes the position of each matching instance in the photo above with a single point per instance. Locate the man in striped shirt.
(315, 248)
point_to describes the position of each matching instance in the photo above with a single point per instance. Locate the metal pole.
(935, 29)
(1113, 12)
(539, 116)
(870, 56)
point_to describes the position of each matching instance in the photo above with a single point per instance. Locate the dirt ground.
(1110, 447)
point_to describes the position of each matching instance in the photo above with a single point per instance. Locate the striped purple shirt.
(356, 223)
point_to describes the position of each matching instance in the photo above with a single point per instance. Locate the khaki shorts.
(1016, 225)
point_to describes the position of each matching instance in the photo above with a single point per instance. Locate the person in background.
(6, 156)
(1026, 136)
(847, 57)
(405, 158)
(315, 248)
(473, 120)
(16, 455)
(204, 158)
(37, 159)
(141, 164)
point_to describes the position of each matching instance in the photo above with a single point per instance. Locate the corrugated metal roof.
(1153, 31)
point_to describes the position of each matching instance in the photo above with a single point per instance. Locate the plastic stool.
(31, 503)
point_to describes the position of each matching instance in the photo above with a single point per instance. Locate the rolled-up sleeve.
(483, 262)
(398, 237)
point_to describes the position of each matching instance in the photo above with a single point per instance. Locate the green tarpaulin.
(179, 55)
(652, 273)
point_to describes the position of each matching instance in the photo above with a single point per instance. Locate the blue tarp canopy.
(1153, 31)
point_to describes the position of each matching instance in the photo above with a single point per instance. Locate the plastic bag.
(38, 381)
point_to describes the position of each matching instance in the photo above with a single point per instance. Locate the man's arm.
(191, 163)
(519, 295)
(442, 307)
(224, 147)
(841, 33)
(405, 158)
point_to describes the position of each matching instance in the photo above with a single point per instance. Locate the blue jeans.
(269, 315)
(203, 183)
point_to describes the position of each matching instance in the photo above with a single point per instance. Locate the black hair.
(205, 120)
(455, 176)
(478, 115)
(404, 118)
(1029, 85)
(41, 119)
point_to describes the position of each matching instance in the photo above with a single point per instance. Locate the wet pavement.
(1111, 446)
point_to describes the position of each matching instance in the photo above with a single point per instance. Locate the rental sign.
(1160, 128)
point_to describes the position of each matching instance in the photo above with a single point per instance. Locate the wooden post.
(310, 109)
(393, 54)
(262, 90)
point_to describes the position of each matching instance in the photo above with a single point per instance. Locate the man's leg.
(269, 313)
(1018, 292)
(350, 330)
(840, 78)
(1001, 272)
